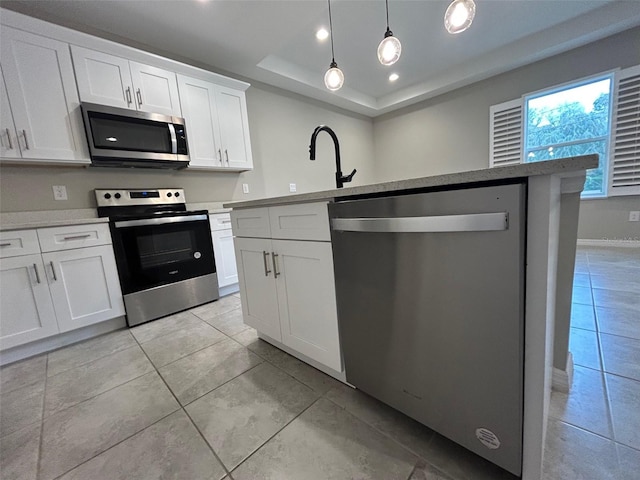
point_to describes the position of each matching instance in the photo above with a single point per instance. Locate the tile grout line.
(224, 467)
(607, 393)
(276, 433)
(41, 439)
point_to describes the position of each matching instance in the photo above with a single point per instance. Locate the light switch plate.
(245, 188)
(60, 192)
(634, 216)
(293, 188)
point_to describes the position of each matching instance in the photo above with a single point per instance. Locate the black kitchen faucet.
(340, 179)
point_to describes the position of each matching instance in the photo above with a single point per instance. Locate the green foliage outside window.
(559, 126)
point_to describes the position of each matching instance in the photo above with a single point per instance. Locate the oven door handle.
(159, 221)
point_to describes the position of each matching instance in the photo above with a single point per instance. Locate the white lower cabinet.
(26, 309)
(223, 251)
(287, 287)
(84, 286)
(59, 290)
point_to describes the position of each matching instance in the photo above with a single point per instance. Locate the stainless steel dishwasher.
(430, 294)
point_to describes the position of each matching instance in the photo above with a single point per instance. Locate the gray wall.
(450, 133)
(280, 125)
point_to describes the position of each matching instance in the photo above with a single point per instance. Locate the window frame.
(622, 174)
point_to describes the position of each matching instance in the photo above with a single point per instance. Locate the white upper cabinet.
(201, 116)
(217, 125)
(234, 127)
(8, 137)
(41, 92)
(112, 80)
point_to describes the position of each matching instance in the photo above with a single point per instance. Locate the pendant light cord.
(333, 57)
(387, 5)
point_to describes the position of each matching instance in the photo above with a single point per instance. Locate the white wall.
(451, 132)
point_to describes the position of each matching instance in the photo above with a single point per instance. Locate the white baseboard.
(596, 242)
(229, 289)
(561, 380)
(61, 340)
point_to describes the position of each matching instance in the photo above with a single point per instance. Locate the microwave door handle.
(174, 139)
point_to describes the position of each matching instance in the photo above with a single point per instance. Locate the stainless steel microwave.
(119, 137)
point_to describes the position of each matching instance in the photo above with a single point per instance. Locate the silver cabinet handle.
(35, 268)
(53, 271)
(9, 139)
(26, 142)
(225, 221)
(220, 156)
(77, 237)
(5, 244)
(227, 155)
(266, 267)
(128, 93)
(139, 95)
(275, 265)
(477, 222)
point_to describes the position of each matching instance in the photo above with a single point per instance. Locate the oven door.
(151, 252)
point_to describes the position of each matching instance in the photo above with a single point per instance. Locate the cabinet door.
(199, 110)
(234, 128)
(26, 311)
(257, 285)
(42, 92)
(225, 255)
(156, 90)
(8, 138)
(102, 78)
(84, 286)
(307, 300)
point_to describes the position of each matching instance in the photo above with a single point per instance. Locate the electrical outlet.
(634, 216)
(293, 188)
(245, 188)
(60, 192)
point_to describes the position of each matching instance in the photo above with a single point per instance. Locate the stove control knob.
(107, 196)
(177, 194)
(168, 194)
(117, 195)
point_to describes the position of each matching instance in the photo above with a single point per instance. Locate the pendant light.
(459, 15)
(334, 78)
(390, 48)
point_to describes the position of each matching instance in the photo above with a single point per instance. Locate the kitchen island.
(285, 262)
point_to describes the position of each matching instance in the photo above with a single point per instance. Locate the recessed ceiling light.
(393, 77)
(322, 34)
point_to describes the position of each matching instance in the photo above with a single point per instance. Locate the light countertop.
(558, 167)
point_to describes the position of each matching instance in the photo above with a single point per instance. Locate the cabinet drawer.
(307, 221)
(65, 238)
(252, 222)
(18, 242)
(220, 221)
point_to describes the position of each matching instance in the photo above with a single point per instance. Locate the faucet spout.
(340, 179)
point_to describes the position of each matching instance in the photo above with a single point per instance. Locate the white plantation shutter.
(625, 144)
(505, 134)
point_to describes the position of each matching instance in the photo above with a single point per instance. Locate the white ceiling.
(273, 41)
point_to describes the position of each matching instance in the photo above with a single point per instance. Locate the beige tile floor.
(198, 396)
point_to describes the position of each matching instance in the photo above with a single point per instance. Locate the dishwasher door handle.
(475, 222)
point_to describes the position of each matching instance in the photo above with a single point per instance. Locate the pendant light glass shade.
(459, 15)
(334, 78)
(389, 49)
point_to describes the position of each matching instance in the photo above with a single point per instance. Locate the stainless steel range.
(164, 253)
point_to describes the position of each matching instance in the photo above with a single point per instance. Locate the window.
(568, 122)
(598, 115)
